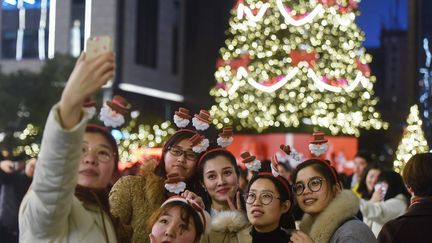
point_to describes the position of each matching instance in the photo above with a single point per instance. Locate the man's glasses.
(177, 151)
(265, 198)
(102, 154)
(313, 184)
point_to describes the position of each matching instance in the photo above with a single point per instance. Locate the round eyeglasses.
(177, 151)
(313, 184)
(102, 154)
(264, 198)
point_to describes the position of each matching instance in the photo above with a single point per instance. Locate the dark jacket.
(12, 190)
(413, 226)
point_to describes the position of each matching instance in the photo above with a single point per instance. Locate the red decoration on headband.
(119, 104)
(183, 113)
(281, 180)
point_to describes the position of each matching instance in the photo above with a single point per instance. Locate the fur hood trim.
(229, 221)
(321, 228)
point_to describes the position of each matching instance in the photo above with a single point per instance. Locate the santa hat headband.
(202, 214)
(320, 140)
(201, 122)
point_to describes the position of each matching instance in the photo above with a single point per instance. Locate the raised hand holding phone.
(87, 78)
(98, 45)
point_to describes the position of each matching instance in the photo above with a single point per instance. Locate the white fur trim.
(318, 149)
(176, 187)
(199, 125)
(180, 122)
(321, 228)
(254, 165)
(224, 142)
(201, 147)
(229, 221)
(110, 117)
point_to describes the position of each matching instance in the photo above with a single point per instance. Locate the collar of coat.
(321, 228)
(229, 221)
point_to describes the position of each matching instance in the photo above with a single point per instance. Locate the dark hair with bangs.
(186, 213)
(287, 220)
(211, 154)
(192, 183)
(324, 168)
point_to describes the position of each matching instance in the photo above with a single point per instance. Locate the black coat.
(414, 226)
(12, 190)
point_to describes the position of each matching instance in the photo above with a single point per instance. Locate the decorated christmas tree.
(413, 140)
(292, 62)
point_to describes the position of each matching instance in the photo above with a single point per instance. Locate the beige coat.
(375, 215)
(50, 212)
(229, 227)
(134, 198)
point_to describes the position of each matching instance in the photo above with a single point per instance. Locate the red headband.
(332, 169)
(210, 151)
(281, 180)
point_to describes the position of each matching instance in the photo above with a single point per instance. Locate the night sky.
(375, 12)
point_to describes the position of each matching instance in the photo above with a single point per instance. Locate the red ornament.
(303, 56)
(327, 2)
(242, 61)
(271, 81)
(364, 68)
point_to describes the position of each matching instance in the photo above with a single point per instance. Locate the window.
(25, 36)
(147, 32)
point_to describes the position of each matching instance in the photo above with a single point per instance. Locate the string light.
(277, 87)
(413, 140)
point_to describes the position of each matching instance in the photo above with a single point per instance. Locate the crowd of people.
(73, 198)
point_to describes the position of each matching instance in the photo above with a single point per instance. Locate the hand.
(7, 166)
(194, 198)
(237, 206)
(87, 78)
(298, 236)
(377, 196)
(30, 166)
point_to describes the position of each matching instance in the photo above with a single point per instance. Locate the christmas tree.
(413, 140)
(292, 62)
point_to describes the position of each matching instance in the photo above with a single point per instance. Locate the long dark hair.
(395, 183)
(324, 168)
(362, 188)
(285, 193)
(211, 154)
(191, 183)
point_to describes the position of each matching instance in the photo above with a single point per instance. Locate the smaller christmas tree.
(413, 140)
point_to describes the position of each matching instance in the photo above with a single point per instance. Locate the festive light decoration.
(137, 137)
(30, 147)
(302, 61)
(413, 140)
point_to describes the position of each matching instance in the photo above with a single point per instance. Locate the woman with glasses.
(134, 198)
(329, 210)
(68, 199)
(268, 205)
(219, 175)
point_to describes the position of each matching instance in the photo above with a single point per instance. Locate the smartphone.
(383, 186)
(98, 45)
